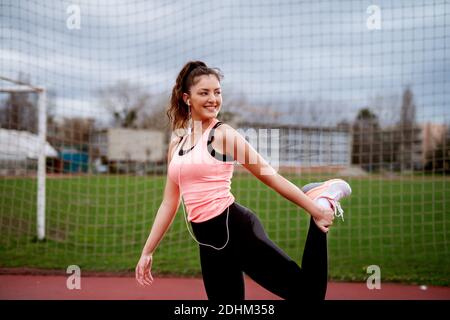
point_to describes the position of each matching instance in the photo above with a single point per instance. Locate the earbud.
(188, 103)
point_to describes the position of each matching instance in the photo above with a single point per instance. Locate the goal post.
(21, 87)
(42, 133)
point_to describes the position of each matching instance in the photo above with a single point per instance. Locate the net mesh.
(351, 90)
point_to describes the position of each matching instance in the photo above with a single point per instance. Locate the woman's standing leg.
(223, 279)
(222, 274)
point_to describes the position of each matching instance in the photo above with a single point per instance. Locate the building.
(300, 147)
(128, 150)
(19, 152)
(432, 135)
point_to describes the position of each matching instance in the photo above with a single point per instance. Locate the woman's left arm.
(241, 151)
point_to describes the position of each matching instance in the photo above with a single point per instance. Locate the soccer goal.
(21, 145)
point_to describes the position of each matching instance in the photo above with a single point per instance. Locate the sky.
(314, 62)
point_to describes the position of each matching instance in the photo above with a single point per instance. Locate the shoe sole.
(315, 189)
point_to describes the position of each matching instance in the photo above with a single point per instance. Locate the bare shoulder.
(226, 139)
(228, 134)
(225, 131)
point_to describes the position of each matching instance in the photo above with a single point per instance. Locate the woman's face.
(205, 98)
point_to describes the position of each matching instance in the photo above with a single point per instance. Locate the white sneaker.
(333, 190)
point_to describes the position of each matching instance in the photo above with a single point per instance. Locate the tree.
(408, 109)
(19, 111)
(408, 130)
(155, 119)
(125, 102)
(366, 140)
(76, 132)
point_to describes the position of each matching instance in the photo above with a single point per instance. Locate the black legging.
(250, 250)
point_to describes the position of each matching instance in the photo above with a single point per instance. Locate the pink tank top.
(204, 181)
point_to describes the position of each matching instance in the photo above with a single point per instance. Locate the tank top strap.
(211, 133)
(217, 124)
(178, 145)
(219, 156)
(214, 124)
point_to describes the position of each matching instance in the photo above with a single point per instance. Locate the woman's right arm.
(164, 218)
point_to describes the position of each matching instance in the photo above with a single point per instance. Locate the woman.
(231, 237)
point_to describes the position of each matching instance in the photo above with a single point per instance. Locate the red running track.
(48, 287)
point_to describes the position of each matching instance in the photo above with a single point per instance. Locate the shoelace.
(338, 211)
(341, 211)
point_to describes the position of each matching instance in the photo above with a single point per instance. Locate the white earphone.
(189, 130)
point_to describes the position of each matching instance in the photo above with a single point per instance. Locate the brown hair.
(178, 109)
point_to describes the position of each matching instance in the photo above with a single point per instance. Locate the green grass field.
(100, 223)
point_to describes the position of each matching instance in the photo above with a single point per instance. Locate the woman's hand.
(143, 270)
(325, 219)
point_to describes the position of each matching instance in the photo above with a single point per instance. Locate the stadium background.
(344, 89)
